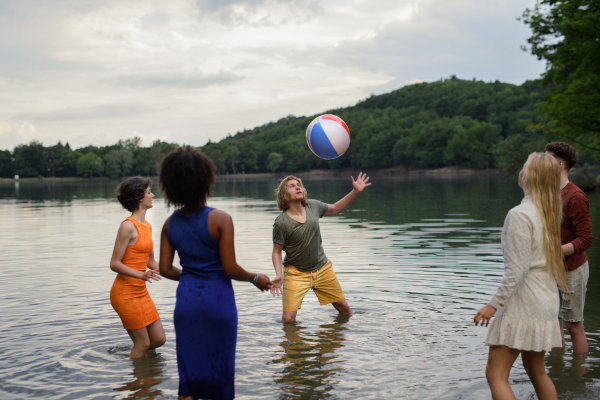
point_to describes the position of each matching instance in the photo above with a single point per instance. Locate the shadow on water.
(310, 360)
(147, 375)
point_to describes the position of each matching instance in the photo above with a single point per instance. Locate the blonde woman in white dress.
(526, 303)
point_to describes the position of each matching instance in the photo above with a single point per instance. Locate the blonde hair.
(541, 180)
(283, 196)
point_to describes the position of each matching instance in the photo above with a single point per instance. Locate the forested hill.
(450, 122)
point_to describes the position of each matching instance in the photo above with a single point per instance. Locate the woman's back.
(527, 299)
(197, 250)
(205, 357)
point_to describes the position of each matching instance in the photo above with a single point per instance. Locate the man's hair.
(185, 177)
(131, 191)
(565, 152)
(283, 196)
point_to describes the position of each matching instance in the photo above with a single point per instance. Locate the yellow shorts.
(322, 281)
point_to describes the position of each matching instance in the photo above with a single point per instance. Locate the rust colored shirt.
(576, 227)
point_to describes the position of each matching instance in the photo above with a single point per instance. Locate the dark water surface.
(416, 257)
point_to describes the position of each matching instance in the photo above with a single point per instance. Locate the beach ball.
(328, 136)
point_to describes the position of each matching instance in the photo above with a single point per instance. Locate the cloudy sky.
(95, 71)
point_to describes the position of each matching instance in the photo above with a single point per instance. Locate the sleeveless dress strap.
(203, 224)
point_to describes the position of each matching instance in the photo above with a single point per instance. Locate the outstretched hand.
(276, 288)
(361, 182)
(484, 315)
(263, 282)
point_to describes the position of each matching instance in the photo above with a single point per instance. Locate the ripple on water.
(414, 287)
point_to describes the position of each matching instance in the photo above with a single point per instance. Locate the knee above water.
(158, 342)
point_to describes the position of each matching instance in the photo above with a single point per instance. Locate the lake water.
(416, 257)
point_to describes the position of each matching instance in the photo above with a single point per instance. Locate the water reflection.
(148, 373)
(416, 258)
(310, 360)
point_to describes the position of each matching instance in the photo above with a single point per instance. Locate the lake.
(416, 256)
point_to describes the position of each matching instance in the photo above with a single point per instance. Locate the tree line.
(451, 122)
(126, 157)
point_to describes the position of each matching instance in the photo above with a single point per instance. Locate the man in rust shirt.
(576, 235)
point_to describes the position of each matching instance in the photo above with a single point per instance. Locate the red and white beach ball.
(328, 136)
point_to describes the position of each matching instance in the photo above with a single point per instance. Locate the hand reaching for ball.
(361, 182)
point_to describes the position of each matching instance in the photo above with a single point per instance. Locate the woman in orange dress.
(133, 261)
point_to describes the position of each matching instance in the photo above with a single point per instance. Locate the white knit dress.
(527, 299)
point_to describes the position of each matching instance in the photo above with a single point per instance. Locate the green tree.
(118, 162)
(512, 152)
(274, 161)
(231, 154)
(31, 160)
(63, 158)
(6, 164)
(566, 33)
(89, 165)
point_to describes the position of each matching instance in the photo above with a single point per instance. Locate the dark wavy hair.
(185, 177)
(565, 152)
(131, 191)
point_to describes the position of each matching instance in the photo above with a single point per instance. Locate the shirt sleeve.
(321, 207)
(579, 213)
(279, 235)
(517, 257)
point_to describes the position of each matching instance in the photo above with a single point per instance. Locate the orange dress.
(129, 296)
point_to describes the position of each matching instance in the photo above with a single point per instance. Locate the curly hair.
(185, 177)
(565, 152)
(283, 196)
(131, 191)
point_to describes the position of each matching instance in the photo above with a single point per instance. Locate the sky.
(186, 71)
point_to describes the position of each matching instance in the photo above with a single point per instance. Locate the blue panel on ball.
(321, 144)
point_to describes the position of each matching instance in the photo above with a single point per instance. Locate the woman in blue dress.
(205, 312)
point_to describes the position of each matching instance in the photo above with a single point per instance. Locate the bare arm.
(152, 264)
(167, 254)
(567, 249)
(125, 234)
(358, 186)
(278, 264)
(225, 233)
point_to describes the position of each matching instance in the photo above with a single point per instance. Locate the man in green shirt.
(296, 231)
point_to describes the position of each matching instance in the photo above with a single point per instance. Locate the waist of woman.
(129, 281)
(203, 274)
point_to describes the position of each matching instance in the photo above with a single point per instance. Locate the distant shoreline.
(316, 173)
(587, 178)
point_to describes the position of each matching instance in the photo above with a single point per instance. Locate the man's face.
(561, 162)
(295, 190)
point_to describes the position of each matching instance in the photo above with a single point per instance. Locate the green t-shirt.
(302, 241)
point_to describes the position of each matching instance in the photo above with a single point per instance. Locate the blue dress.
(205, 314)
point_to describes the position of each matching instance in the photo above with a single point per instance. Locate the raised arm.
(167, 254)
(358, 186)
(224, 232)
(278, 264)
(125, 234)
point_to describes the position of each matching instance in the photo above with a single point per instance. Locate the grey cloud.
(453, 38)
(193, 79)
(257, 13)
